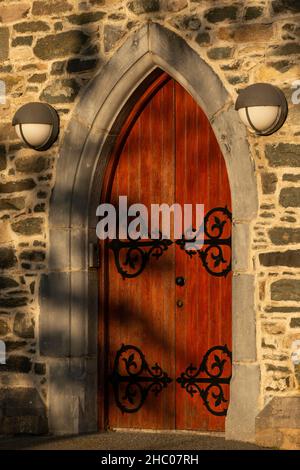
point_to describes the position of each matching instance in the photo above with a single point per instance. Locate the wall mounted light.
(37, 125)
(262, 108)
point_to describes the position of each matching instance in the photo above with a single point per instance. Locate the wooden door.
(168, 309)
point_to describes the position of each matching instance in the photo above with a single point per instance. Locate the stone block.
(290, 197)
(35, 256)
(187, 22)
(290, 177)
(286, 289)
(203, 38)
(31, 26)
(2, 158)
(7, 258)
(112, 35)
(285, 6)
(144, 6)
(32, 164)
(216, 15)
(17, 186)
(14, 345)
(17, 363)
(58, 67)
(247, 33)
(4, 43)
(282, 309)
(268, 181)
(13, 302)
(288, 49)
(60, 45)
(173, 5)
(40, 368)
(240, 246)
(283, 154)
(7, 283)
(253, 12)
(220, 53)
(60, 91)
(22, 411)
(72, 392)
(284, 235)
(290, 258)
(243, 318)
(85, 18)
(244, 394)
(59, 259)
(64, 296)
(29, 226)
(22, 41)
(81, 65)
(295, 323)
(23, 326)
(55, 320)
(4, 328)
(37, 78)
(281, 65)
(13, 11)
(278, 424)
(235, 79)
(50, 7)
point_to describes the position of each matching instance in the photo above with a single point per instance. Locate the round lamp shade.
(37, 125)
(262, 108)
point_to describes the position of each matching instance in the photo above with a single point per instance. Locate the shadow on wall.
(24, 202)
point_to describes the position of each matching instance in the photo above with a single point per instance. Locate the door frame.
(69, 290)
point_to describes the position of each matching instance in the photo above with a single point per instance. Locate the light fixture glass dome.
(36, 135)
(37, 125)
(262, 118)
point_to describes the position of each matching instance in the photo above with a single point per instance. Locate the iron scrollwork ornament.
(133, 379)
(209, 378)
(137, 254)
(216, 222)
(132, 256)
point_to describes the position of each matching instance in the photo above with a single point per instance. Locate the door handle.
(180, 281)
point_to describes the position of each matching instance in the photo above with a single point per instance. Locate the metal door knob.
(180, 281)
(179, 303)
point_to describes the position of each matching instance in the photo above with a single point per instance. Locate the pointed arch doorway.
(69, 294)
(167, 309)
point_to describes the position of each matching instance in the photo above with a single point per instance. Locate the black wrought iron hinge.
(132, 256)
(208, 380)
(133, 379)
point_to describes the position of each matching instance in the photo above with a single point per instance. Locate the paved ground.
(127, 441)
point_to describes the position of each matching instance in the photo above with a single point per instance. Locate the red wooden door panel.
(139, 308)
(204, 320)
(169, 154)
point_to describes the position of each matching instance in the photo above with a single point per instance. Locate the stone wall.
(49, 50)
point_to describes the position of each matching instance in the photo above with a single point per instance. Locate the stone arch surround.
(69, 290)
